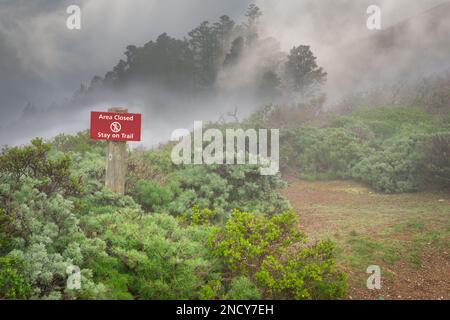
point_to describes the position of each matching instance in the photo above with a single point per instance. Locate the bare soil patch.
(418, 224)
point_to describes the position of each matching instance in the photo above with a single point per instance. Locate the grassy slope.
(407, 235)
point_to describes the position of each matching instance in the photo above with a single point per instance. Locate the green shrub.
(275, 256)
(46, 237)
(152, 165)
(13, 284)
(102, 201)
(199, 216)
(39, 225)
(89, 166)
(222, 188)
(356, 126)
(34, 161)
(213, 290)
(162, 260)
(152, 196)
(395, 168)
(323, 153)
(242, 288)
(435, 157)
(6, 225)
(79, 143)
(160, 159)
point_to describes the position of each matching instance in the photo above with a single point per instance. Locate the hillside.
(276, 194)
(225, 231)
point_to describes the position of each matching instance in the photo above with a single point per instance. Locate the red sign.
(115, 126)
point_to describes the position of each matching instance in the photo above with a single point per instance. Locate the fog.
(43, 62)
(353, 55)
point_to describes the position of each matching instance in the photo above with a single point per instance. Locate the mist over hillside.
(407, 51)
(354, 58)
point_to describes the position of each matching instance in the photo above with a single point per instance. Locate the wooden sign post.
(116, 162)
(117, 126)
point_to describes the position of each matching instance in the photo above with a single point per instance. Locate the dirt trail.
(337, 208)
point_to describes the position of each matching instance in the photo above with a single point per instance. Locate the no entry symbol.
(116, 127)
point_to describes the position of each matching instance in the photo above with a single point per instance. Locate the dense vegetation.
(393, 149)
(150, 244)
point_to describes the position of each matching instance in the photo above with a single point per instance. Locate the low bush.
(34, 161)
(222, 188)
(242, 288)
(435, 157)
(396, 168)
(13, 283)
(152, 196)
(155, 256)
(332, 154)
(78, 143)
(275, 256)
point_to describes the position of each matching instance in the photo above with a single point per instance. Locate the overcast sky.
(42, 61)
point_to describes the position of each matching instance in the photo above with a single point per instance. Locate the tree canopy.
(194, 64)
